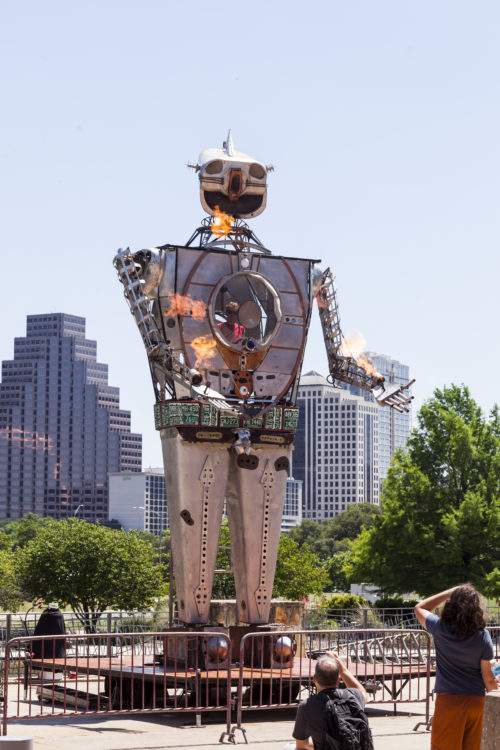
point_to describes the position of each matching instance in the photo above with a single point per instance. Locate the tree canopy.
(331, 536)
(89, 567)
(17, 532)
(11, 596)
(440, 523)
(223, 587)
(299, 571)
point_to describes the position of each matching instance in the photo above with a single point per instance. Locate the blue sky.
(381, 118)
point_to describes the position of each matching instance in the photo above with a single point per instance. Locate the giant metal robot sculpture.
(224, 323)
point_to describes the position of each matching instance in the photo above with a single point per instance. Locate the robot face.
(233, 181)
(245, 312)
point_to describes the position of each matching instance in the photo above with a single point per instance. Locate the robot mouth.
(241, 206)
(235, 184)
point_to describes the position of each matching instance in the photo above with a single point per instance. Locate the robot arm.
(346, 368)
(140, 274)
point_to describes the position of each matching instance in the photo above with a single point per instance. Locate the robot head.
(232, 181)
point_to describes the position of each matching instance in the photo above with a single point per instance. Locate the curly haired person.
(464, 650)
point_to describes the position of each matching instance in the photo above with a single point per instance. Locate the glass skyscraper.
(394, 427)
(61, 427)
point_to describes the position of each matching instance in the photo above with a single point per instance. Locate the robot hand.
(393, 395)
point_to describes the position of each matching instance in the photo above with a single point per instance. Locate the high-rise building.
(336, 448)
(139, 500)
(394, 427)
(292, 510)
(61, 427)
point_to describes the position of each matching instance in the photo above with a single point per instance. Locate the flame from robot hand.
(353, 345)
(180, 304)
(221, 223)
(205, 349)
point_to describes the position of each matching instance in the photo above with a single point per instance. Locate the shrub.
(342, 601)
(387, 602)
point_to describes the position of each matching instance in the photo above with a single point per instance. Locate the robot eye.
(214, 167)
(257, 171)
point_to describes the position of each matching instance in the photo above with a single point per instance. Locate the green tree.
(441, 504)
(11, 596)
(223, 587)
(90, 568)
(307, 532)
(298, 571)
(160, 545)
(329, 537)
(336, 566)
(17, 532)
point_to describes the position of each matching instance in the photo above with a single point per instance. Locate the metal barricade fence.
(113, 674)
(22, 624)
(155, 672)
(495, 637)
(394, 666)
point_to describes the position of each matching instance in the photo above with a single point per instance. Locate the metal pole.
(171, 590)
(108, 628)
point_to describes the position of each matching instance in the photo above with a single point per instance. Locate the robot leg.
(195, 478)
(255, 497)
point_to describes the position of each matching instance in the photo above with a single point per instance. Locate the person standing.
(51, 622)
(312, 718)
(463, 670)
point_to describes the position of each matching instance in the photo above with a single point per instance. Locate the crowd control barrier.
(110, 674)
(196, 672)
(276, 669)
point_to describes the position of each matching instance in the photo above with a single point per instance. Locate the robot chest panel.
(241, 313)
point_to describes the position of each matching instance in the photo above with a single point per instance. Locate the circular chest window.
(245, 311)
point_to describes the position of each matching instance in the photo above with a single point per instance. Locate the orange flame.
(185, 305)
(221, 223)
(353, 345)
(205, 349)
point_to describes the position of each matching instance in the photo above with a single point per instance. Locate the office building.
(61, 427)
(394, 428)
(139, 500)
(336, 448)
(292, 510)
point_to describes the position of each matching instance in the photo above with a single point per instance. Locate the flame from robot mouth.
(205, 349)
(185, 305)
(221, 223)
(353, 345)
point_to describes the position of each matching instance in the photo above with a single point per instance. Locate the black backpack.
(346, 723)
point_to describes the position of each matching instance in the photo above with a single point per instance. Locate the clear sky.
(381, 118)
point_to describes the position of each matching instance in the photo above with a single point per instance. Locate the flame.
(221, 223)
(205, 349)
(185, 305)
(353, 345)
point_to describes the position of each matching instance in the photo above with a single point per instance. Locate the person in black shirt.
(310, 724)
(51, 622)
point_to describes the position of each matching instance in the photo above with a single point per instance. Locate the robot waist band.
(189, 414)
